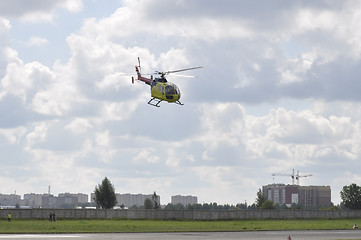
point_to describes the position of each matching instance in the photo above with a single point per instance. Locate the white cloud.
(37, 10)
(72, 6)
(37, 41)
(4, 42)
(102, 146)
(38, 135)
(52, 102)
(223, 125)
(21, 80)
(38, 87)
(118, 111)
(146, 155)
(193, 27)
(5, 27)
(79, 125)
(61, 169)
(14, 135)
(302, 138)
(224, 184)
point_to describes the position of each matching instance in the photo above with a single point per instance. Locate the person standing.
(9, 217)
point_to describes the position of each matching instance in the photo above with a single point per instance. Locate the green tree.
(155, 198)
(295, 206)
(260, 199)
(133, 207)
(148, 204)
(268, 204)
(105, 194)
(351, 196)
(241, 206)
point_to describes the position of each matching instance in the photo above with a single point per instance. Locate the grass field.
(119, 226)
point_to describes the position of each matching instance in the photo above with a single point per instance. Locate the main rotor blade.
(181, 70)
(186, 76)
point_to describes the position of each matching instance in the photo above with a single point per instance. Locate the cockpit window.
(176, 89)
(169, 89)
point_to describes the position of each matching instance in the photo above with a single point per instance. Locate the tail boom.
(141, 78)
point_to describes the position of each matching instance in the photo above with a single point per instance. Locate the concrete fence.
(176, 214)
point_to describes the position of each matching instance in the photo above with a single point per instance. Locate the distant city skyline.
(279, 90)
(46, 200)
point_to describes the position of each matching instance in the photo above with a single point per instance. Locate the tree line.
(105, 198)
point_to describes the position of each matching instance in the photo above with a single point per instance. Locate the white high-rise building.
(33, 200)
(184, 200)
(9, 200)
(129, 200)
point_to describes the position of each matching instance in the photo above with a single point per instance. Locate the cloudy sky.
(280, 90)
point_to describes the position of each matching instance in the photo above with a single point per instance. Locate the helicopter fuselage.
(161, 89)
(164, 90)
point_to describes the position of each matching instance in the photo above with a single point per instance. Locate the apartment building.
(306, 196)
(9, 200)
(33, 200)
(184, 200)
(129, 200)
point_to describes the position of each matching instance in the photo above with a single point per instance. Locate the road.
(260, 235)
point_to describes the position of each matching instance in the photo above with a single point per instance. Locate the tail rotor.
(140, 69)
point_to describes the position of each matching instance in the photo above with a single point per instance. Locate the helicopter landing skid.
(178, 102)
(155, 105)
(150, 102)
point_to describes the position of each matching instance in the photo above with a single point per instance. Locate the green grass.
(119, 225)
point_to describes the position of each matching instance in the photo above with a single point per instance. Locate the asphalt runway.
(261, 235)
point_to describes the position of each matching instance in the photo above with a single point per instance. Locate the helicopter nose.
(177, 97)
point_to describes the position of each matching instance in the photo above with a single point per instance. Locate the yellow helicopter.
(161, 89)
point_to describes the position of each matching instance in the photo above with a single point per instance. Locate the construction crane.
(294, 176)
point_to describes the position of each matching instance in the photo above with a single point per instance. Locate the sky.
(280, 90)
